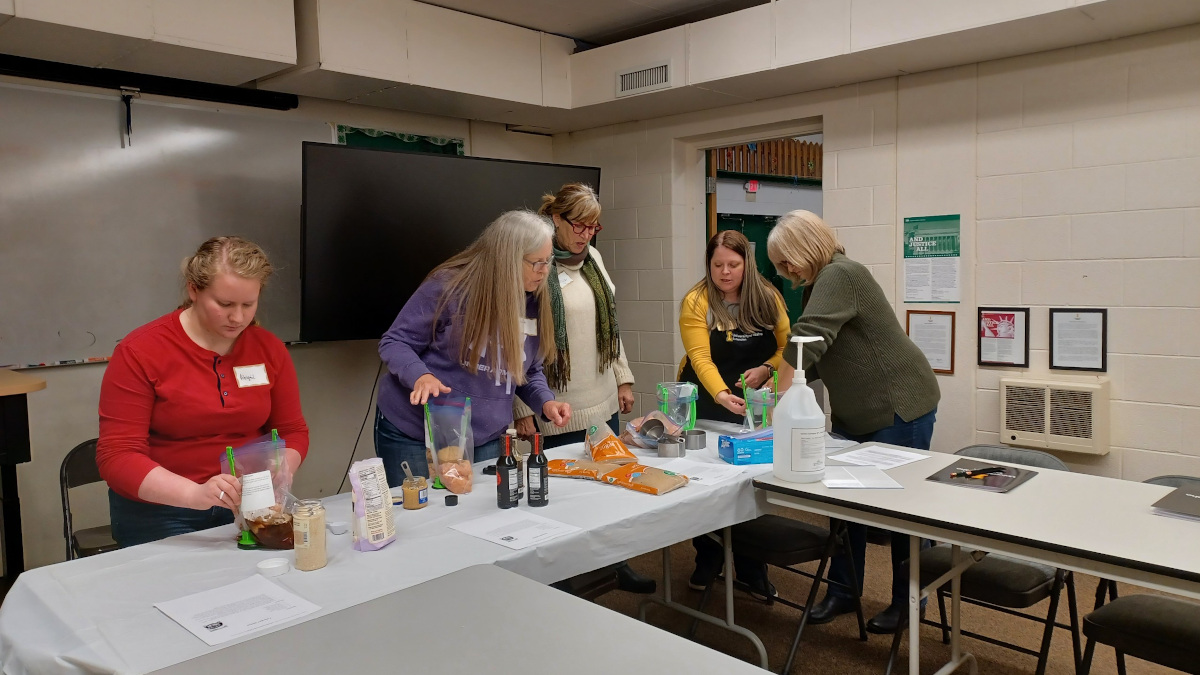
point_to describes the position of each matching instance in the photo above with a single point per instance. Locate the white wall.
(335, 378)
(1088, 174)
(772, 199)
(1076, 175)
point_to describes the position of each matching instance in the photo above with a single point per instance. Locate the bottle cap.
(273, 567)
(451, 500)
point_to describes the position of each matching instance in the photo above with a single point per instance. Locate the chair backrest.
(79, 466)
(1175, 481)
(1004, 453)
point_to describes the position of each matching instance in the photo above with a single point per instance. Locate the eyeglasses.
(581, 229)
(538, 266)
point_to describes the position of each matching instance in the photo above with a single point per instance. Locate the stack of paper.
(870, 477)
(229, 612)
(880, 456)
(514, 528)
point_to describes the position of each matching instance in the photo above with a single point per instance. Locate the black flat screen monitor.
(377, 221)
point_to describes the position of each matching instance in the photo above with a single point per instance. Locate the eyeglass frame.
(538, 265)
(580, 229)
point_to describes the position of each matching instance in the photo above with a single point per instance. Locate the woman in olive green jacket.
(881, 387)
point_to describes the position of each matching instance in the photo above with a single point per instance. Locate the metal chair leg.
(691, 634)
(941, 596)
(830, 545)
(895, 651)
(1086, 666)
(1112, 595)
(1101, 591)
(1051, 617)
(844, 539)
(1073, 608)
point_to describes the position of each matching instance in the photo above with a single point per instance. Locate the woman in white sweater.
(590, 371)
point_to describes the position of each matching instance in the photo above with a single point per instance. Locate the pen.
(978, 473)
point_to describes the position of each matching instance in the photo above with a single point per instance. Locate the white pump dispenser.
(799, 428)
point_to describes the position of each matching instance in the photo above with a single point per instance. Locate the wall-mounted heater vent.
(1068, 416)
(641, 80)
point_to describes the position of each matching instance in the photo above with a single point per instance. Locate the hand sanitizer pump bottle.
(799, 424)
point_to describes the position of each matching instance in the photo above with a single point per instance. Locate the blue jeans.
(915, 434)
(394, 446)
(136, 522)
(556, 440)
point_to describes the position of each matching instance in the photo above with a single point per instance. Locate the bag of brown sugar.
(645, 479)
(449, 442)
(579, 468)
(602, 445)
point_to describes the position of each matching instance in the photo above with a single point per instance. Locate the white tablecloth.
(97, 615)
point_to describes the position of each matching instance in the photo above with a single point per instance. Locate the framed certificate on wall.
(933, 333)
(1079, 339)
(1004, 336)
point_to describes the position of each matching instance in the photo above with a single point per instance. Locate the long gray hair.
(487, 279)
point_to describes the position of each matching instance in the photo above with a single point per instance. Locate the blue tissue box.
(742, 450)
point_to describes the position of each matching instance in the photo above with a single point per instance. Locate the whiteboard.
(92, 234)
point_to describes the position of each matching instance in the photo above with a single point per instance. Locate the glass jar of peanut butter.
(308, 526)
(415, 492)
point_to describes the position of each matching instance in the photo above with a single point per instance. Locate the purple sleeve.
(535, 392)
(411, 334)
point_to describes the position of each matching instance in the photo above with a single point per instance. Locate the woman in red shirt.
(182, 388)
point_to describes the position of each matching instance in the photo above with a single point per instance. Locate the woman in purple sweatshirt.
(480, 325)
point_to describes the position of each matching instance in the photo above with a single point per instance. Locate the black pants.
(710, 554)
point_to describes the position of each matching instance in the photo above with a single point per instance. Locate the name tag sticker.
(564, 279)
(251, 376)
(530, 326)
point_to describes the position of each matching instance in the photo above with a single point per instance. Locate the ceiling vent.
(1067, 416)
(642, 80)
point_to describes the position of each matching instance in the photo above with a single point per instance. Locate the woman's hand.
(756, 376)
(426, 385)
(625, 397)
(557, 412)
(220, 490)
(733, 404)
(525, 428)
(786, 374)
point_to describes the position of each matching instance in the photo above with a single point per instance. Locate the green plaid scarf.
(608, 340)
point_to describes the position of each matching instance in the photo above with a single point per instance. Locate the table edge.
(986, 534)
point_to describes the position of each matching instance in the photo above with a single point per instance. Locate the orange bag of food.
(579, 468)
(602, 445)
(645, 479)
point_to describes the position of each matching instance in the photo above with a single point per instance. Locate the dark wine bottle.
(538, 484)
(506, 476)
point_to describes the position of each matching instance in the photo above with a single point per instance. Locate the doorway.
(749, 185)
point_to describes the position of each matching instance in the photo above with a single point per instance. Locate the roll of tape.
(273, 567)
(695, 439)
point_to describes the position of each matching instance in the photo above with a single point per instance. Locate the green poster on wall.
(932, 256)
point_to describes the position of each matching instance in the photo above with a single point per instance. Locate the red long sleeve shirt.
(166, 401)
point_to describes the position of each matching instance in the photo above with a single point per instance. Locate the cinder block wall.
(1077, 175)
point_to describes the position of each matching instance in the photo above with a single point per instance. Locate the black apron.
(733, 353)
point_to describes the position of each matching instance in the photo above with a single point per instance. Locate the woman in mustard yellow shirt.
(733, 323)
